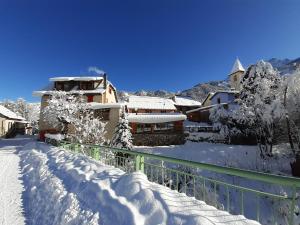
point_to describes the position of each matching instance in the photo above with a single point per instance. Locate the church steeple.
(236, 75)
(237, 66)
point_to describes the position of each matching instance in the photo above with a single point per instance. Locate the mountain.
(285, 66)
(200, 91)
(123, 95)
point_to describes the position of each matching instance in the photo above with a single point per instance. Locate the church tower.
(236, 75)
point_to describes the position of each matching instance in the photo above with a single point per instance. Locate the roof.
(49, 89)
(96, 105)
(155, 118)
(205, 108)
(9, 114)
(185, 101)
(208, 97)
(228, 92)
(75, 78)
(237, 66)
(145, 102)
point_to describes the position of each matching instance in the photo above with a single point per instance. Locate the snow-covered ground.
(11, 187)
(61, 187)
(243, 157)
(239, 156)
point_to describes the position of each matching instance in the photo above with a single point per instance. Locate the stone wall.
(158, 139)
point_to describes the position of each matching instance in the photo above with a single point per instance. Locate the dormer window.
(86, 85)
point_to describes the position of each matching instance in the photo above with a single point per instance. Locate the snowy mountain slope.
(200, 91)
(285, 66)
(66, 188)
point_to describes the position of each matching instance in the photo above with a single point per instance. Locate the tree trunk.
(287, 119)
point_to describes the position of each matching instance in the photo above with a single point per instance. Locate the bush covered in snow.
(71, 115)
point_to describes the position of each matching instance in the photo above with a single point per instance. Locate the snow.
(238, 156)
(155, 117)
(185, 101)
(11, 187)
(145, 102)
(237, 66)
(75, 78)
(61, 187)
(57, 137)
(96, 105)
(9, 114)
(74, 189)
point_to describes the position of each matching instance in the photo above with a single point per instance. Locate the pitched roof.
(9, 114)
(155, 117)
(237, 66)
(146, 102)
(185, 101)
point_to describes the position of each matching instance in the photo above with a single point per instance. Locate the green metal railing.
(209, 183)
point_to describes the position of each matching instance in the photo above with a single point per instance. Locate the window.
(102, 114)
(148, 111)
(110, 90)
(143, 128)
(219, 100)
(163, 126)
(235, 78)
(90, 98)
(163, 111)
(59, 86)
(85, 85)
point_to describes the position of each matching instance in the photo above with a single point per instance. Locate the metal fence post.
(139, 163)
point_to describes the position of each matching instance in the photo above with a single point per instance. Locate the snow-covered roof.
(205, 108)
(155, 118)
(185, 101)
(237, 66)
(75, 78)
(9, 114)
(146, 102)
(96, 105)
(228, 92)
(96, 91)
(49, 89)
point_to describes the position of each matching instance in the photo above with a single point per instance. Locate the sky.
(141, 44)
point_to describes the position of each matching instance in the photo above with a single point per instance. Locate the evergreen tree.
(260, 99)
(122, 137)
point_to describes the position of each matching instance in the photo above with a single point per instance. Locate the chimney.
(104, 80)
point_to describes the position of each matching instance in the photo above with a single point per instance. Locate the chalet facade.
(11, 124)
(155, 121)
(98, 92)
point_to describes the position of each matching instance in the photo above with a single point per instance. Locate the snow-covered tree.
(260, 100)
(29, 111)
(223, 119)
(122, 137)
(291, 102)
(72, 115)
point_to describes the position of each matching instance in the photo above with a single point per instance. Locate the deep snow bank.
(65, 188)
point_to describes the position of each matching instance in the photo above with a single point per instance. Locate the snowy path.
(11, 187)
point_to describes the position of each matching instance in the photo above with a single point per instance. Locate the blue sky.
(157, 44)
